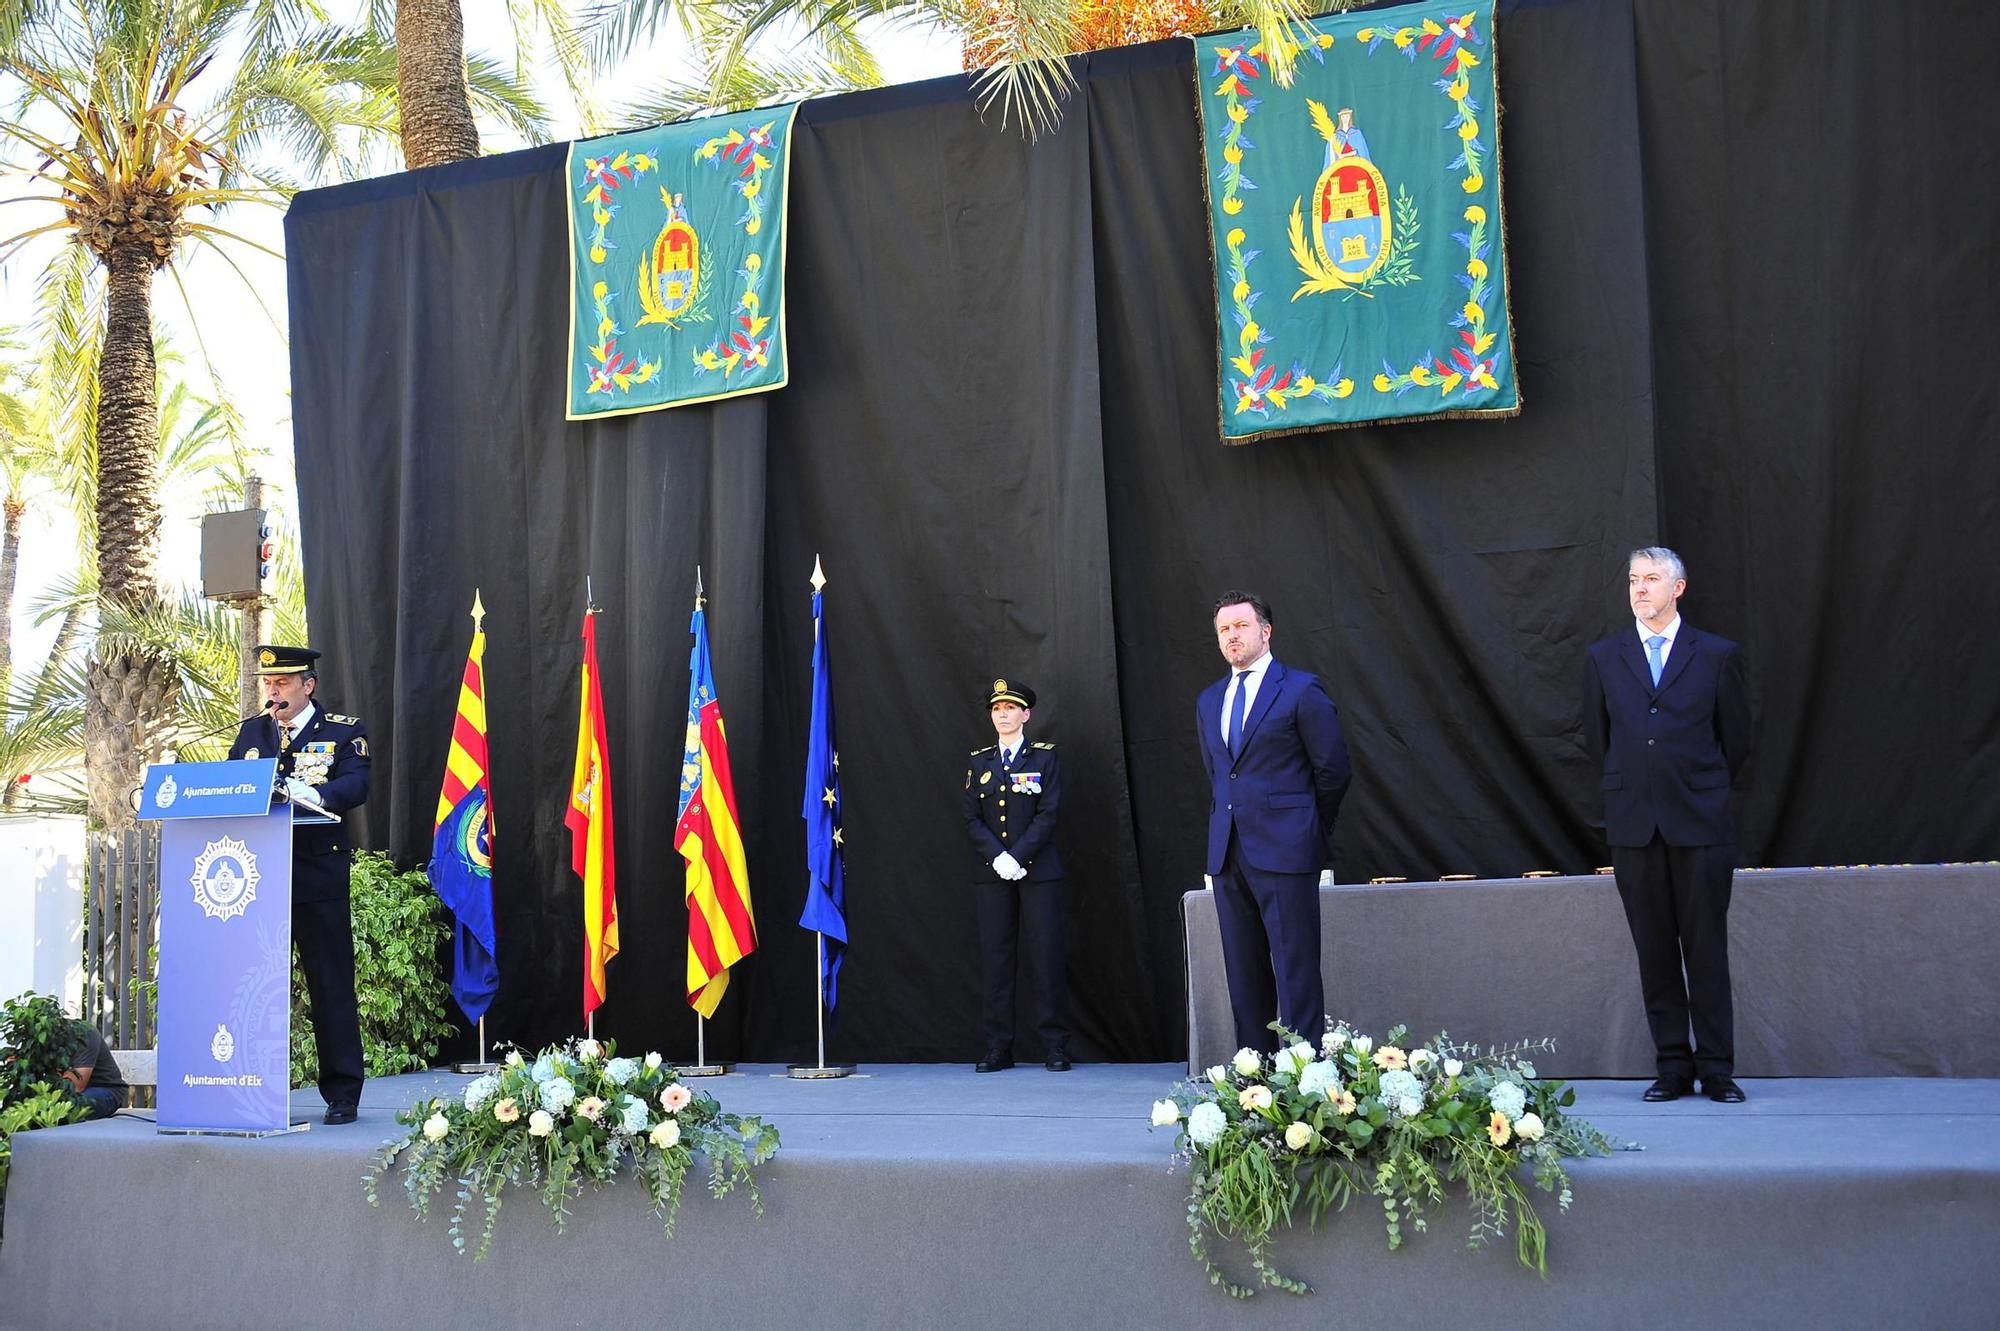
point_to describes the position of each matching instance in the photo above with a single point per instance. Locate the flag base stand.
(818, 1071)
(705, 1070)
(475, 1069)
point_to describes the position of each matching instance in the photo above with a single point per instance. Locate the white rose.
(1205, 1123)
(1298, 1136)
(588, 1048)
(1246, 1062)
(1165, 1113)
(1217, 1075)
(667, 1134)
(1362, 1043)
(541, 1123)
(1452, 1067)
(1294, 1059)
(1528, 1127)
(653, 1061)
(1422, 1058)
(436, 1128)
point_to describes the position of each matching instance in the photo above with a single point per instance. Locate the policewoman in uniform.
(323, 757)
(1012, 789)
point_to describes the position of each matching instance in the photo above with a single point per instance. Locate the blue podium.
(225, 968)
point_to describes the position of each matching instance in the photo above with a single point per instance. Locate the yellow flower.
(598, 290)
(1457, 90)
(1239, 291)
(1254, 1098)
(1325, 40)
(1232, 205)
(1232, 154)
(1235, 237)
(1449, 382)
(1485, 340)
(1472, 312)
(1486, 379)
(1345, 1104)
(1476, 267)
(1431, 28)
(1469, 130)
(1244, 366)
(1475, 214)
(1381, 383)
(1245, 402)
(1237, 113)
(1466, 59)
(1499, 1129)
(753, 262)
(1304, 383)
(1343, 388)
(1421, 376)
(1365, 35)
(597, 254)
(1473, 183)
(753, 226)
(1388, 1057)
(1403, 39)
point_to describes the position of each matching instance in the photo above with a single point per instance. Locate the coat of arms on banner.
(225, 878)
(677, 263)
(1359, 269)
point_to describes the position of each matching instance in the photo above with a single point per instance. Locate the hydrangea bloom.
(1508, 1098)
(1402, 1093)
(1205, 1123)
(558, 1094)
(480, 1091)
(620, 1070)
(544, 1068)
(1321, 1078)
(634, 1115)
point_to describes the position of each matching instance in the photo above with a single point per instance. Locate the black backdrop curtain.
(1752, 262)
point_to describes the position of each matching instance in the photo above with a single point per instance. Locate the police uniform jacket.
(1014, 811)
(320, 851)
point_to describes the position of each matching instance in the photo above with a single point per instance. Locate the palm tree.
(441, 92)
(134, 176)
(1020, 46)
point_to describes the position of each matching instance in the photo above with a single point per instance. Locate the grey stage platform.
(1866, 972)
(929, 1197)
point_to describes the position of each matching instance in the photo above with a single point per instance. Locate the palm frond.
(752, 83)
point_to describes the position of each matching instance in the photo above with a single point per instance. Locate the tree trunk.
(10, 563)
(132, 694)
(430, 83)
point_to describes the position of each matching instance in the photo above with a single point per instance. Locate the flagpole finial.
(590, 605)
(818, 577)
(478, 612)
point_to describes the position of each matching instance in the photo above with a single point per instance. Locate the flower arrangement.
(573, 1112)
(1350, 1116)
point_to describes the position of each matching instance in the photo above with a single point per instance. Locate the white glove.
(1208, 882)
(1326, 878)
(1009, 868)
(299, 790)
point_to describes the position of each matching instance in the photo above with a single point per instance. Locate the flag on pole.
(826, 891)
(591, 851)
(461, 868)
(722, 930)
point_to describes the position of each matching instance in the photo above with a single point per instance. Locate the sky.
(243, 326)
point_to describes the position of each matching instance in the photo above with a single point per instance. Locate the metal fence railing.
(121, 924)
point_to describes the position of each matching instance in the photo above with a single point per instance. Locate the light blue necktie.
(1236, 713)
(1654, 645)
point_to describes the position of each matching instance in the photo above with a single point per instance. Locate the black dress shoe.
(996, 1060)
(1666, 1088)
(1722, 1090)
(337, 1114)
(1058, 1059)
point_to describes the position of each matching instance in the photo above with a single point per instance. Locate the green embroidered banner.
(677, 263)
(1360, 274)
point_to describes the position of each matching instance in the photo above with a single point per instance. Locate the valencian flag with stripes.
(589, 822)
(826, 887)
(677, 263)
(461, 868)
(1354, 204)
(722, 930)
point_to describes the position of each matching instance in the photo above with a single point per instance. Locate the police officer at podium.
(1012, 789)
(322, 758)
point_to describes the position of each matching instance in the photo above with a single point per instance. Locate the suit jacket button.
(1654, 710)
(1649, 744)
(1234, 775)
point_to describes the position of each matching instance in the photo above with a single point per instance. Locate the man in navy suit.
(1667, 715)
(1277, 769)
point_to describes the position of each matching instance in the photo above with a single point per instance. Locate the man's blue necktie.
(1236, 713)
(1654, 645)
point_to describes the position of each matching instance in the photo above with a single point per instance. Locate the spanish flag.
(461, 868)
(591, 851)
(722, 930)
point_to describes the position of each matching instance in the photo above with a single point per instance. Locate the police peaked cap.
(1017, 693)
(275, 660)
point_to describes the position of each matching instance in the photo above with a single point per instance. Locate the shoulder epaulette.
(1041, 744)
(988, 749)
(340, 720)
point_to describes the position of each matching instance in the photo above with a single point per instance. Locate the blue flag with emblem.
(677, 263)
(826, 890)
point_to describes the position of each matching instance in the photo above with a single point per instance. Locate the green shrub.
(38, 1043)
(400, 928)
